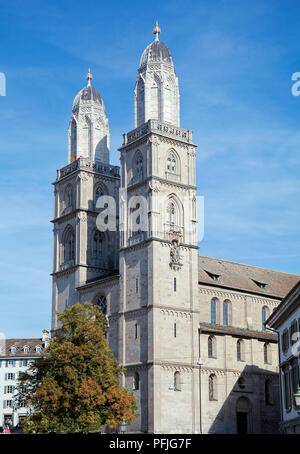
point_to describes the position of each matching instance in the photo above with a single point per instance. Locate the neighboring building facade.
(166, 306)
(15, 357)
(286, 321)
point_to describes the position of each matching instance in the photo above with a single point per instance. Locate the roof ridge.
(245, 264)
(23, 339)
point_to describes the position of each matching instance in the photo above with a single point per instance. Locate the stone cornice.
(221, 371)
(219, 288)
(164, 181)
(72, 214)
(143, 243)
(97, 281)
(72, 268)
(172, 366)
(237, 332)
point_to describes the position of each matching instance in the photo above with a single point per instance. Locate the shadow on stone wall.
(252, 405)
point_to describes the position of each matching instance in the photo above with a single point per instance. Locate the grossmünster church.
(189, 329)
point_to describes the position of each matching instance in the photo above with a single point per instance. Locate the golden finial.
(156, 31)
(89, 77)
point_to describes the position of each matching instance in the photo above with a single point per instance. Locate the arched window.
(136, 381)
(225, 313)
(102, 303)
(69, 246)
(13, 350)
(268, 389)
(140, 102)
(264, 316)
(73, 139)
(267, 353)
(67, 200)
(69, 197)
(211, 344)
(26, 349)
(97, 245)
(177, 381)
(212, 387)
(174, 219)
(172, 164)
(98, 193)
(155, 103)
(138, 167)
(213, 311)
(168, 104)
(240, 350)
(171, 213)
(38, 349)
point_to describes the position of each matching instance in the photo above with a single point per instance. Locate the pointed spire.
(156, 31)
(89, 77)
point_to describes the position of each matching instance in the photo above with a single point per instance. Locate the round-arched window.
(97, 245)
(102, 303)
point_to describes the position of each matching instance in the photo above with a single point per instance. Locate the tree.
(75, 386)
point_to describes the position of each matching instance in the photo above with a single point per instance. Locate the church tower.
(81, 252)
(88, 128)
(158, 261)
(156, 93)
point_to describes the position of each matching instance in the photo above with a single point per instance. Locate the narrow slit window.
(174, 284)
(175, 330)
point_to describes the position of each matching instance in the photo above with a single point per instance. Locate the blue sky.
(234, 61)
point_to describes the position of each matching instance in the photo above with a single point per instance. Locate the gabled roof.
(245, 277)
(289, 304)
(6, 344)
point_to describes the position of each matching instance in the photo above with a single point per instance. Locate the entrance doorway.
(243, 416)
(242, 422)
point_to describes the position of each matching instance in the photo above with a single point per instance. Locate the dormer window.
(260, 284)
(26, 349)
(13, 350)
(38, 349)
(214, 277)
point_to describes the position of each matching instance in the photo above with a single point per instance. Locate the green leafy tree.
(75, 387)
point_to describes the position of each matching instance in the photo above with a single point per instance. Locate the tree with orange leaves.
(75, 386)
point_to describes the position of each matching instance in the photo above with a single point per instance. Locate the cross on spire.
(89, 77)
(156, 31)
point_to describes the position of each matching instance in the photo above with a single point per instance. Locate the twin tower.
(156, 96)
(145, 280)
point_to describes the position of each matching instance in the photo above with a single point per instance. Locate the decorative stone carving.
(81, 217)
(175, 258)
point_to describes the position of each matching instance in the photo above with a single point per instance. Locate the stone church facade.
(189, 329)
